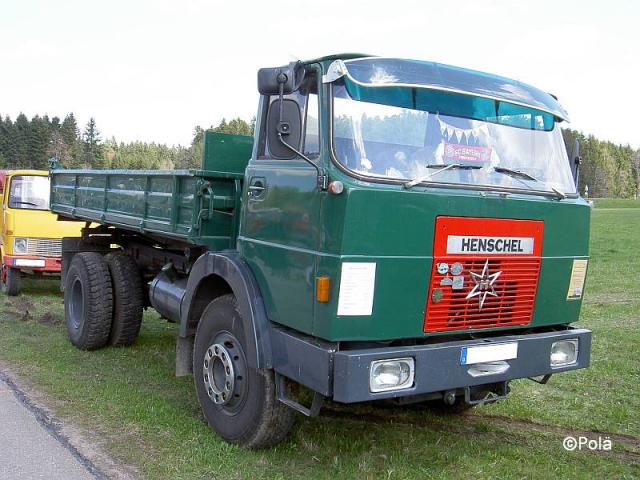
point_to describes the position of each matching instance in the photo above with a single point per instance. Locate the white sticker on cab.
(357, 284)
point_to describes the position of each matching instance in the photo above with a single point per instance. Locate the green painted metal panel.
(280, 238)
(191, 205)
(395, 229)
(225, 152)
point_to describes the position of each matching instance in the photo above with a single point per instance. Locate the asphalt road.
(31, 446)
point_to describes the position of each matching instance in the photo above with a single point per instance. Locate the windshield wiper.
(442, 168)
(527, 176)
(25, 203)
(516, 173)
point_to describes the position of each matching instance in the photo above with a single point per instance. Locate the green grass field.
(144, 416)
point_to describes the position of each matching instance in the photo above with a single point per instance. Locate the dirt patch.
(22, 303)
(629, 440)
(609, 299)
(510, 424)
(49, 319)
(10, 315)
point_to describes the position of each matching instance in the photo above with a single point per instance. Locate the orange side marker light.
(323, 285)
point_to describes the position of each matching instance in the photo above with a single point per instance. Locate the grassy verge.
(616, 202)
(145, 416)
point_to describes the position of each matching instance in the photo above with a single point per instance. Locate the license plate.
(488, 353)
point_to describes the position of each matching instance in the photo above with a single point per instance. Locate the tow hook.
(485, 394)
(449, 397)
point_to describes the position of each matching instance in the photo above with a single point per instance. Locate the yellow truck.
(30, 235)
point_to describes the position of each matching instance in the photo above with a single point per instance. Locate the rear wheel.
(10, 280)
(238, 402)
(128, 299)
(88, 301)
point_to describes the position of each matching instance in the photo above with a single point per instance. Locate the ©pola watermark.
(571, 444)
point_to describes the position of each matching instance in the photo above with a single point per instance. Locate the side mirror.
(284, 119)
(575, 161)
(290, 77)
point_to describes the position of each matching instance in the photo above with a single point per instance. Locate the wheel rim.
(224, 373)
(76, 305)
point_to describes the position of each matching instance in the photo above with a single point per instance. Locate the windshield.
(403, 143)
(29, 192)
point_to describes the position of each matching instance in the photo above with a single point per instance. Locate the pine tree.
(8, 141)
(22, 130)
(38, 143)
(93, 154)
(71, 143)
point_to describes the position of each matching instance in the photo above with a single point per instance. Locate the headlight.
(20, 245)
(391, 374)
(564, 352)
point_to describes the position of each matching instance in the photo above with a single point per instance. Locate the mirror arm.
(284, 128)
(322, 178)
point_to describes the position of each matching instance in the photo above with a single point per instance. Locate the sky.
(152, 70)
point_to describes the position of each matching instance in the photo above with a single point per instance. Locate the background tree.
(635, 168)
(608, 169)
(93, 155)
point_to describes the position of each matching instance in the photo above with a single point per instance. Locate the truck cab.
(450, 213)
(396, 230)
(30, 235)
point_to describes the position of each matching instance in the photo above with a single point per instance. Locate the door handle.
(257, 187)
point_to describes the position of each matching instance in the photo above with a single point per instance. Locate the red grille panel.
(515, 288)
(449, 309)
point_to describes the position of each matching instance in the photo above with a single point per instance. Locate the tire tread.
(128, 299)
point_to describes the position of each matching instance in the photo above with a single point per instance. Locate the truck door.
(279, 235)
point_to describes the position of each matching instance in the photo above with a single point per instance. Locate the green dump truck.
(395, 230)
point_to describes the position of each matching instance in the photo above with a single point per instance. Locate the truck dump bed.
(196, 206)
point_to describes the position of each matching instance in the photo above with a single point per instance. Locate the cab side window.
(312, 130)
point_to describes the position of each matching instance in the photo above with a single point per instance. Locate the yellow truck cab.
(30, 235)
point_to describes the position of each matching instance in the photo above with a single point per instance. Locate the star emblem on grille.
(483, 284)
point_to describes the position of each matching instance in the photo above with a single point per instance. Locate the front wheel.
(238, 402)
(10, 281)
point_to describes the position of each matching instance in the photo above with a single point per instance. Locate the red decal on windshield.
(455, 151)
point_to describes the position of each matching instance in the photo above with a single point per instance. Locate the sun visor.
(397, 74)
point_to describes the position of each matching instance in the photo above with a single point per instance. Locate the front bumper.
(33, 263)
(343, 375)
